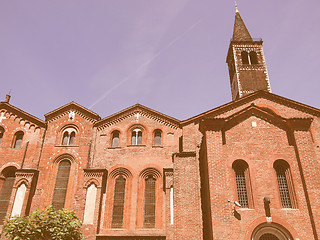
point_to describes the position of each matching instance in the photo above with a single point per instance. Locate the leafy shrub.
(47, 224)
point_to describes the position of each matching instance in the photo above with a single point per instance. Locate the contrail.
(156, 55)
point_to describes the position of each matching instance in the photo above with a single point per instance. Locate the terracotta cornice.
(23, 114)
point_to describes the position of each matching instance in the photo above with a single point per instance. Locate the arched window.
(1, 133)
(115, 138)
(136, 136)
(245, 57)
(286, 189)
(253, 57)
(150, 202)
(118, 202)
(157, 138)
(68, 137)
(60, 188)
(17, 140)
(6, 190)
(241, 170)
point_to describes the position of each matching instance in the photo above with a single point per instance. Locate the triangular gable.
(20, 113)
(143, 111)
(75, 107)
(246, 99)
(286, 124)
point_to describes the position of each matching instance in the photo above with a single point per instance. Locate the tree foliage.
(47, 224)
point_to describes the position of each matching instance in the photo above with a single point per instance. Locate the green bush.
(47, 223)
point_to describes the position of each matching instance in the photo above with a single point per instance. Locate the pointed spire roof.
(240, 31)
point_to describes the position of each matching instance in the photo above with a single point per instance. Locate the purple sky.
(168, 55)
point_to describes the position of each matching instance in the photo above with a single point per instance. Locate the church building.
(246, 170)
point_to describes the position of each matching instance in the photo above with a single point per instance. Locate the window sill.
(113, 147)
(245, 209)
(67, 146)
(157, 146)
(137, 145)
(289, 209)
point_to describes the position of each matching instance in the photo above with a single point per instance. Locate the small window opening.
(1, 133)
(68, 138)
(115, 139)
(253, 57)
(245, 57)
(157, 138)
(136, 138)
(18, 139)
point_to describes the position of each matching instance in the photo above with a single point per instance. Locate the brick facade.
(179, 179)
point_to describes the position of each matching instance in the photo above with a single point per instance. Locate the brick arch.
(144, 131)
(22, 181)
(91, 181)
(271, 228)
(7, 165)
(64, 156)
(120, 171)
(150, 171)
(276, 221)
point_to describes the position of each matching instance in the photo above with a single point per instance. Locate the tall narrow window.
(60, 188)
(245, 57)
(6, 190)
(253, 57)
(72, 138)
(284, 182)
(157, 138)
(118, 202)
(150, 202)
(240, 168)
(115, 139)
(136, 138)
(1, 133)
(65, 138)
(89, 208)
(17, 141)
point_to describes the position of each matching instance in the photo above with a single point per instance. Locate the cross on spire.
(236, 6)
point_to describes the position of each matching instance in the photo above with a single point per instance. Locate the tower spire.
(246, 63)
(240, 31)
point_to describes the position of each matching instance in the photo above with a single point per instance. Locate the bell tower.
(246, 62)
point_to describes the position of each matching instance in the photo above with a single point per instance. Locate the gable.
(136, 112)
(282, 106)
(72, 109)
(8, 111)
